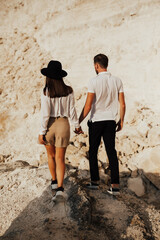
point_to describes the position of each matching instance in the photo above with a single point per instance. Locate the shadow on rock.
(89, 214)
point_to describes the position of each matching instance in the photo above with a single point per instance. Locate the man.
(104, 93)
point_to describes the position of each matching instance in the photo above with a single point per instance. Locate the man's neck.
(102, 70)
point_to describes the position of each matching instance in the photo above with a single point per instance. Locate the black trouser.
(105, 129)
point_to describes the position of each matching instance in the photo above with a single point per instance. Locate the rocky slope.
(32, 33)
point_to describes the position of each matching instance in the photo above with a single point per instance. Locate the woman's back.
(58, 106)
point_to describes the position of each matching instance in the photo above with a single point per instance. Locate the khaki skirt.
(58, 132)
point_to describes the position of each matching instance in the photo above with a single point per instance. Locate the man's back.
(105, 104)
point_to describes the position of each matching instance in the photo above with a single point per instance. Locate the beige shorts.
(58, 132)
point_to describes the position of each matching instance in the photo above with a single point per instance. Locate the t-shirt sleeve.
(120, 86)
(91, 88)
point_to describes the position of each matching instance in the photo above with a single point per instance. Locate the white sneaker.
(59, 195)
(113, 191)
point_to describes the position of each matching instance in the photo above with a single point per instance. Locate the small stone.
(99, 164)
(33, 109)
(71, 149)
(143, 128)
(46, 220)
(84, 164)
(133, 169)
(137, 221)
(43, 158)
(107, 179)
(136, 185)
(102, 156)
(25, 115)
(2, 159)
(35, 163)
(1, 187)
(154, 136)
(124, 171)
(134, 173)
(72, 171)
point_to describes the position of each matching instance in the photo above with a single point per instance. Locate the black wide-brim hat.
(54, 70)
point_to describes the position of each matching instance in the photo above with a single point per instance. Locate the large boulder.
(154, 136)
(149, 162)
(136, 186)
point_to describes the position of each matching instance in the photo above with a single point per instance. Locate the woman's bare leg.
(60, 165)
(51, 160)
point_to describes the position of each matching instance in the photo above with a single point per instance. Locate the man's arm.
(87, 106)
(122, 111)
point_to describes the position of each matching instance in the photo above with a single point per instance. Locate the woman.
(57, 105)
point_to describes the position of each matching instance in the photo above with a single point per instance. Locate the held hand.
(119, 126)
(40, 139)
(78, 130)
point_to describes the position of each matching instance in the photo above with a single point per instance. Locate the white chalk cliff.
(73, 32)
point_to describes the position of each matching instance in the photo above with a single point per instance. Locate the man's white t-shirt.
(105, 104)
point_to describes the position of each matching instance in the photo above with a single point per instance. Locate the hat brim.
(47, 73)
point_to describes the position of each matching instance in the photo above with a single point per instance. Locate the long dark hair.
(56, 88)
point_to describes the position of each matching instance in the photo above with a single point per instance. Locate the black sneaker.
(92, 185)
(113, 191)
(54, 184)
(59, 195)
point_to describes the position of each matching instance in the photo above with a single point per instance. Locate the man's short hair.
(102, 60)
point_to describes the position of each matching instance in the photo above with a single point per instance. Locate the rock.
(137, 221)
(33, 109)
(43, 158)
(21, 163)
(133, 169)
(149, 162)
(25, 115)
(136, 185)
(73, 159)
(5, 158)
(134, 173)
(35, 163)
(83, 174)
(84, 164)
(99, 164)
(72, 171)
(154, 136)
(79, 144)
(104, 178)
(133, 138)
(143, 128)
(102, 156)
(14, 165)
(2, 158)
(124, 171)
(71, 149)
